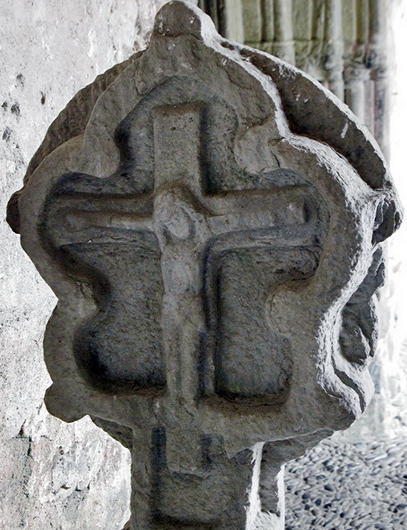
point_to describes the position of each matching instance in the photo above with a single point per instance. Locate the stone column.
(211, 222)
(341, 43)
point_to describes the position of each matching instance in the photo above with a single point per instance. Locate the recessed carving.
(214, 270)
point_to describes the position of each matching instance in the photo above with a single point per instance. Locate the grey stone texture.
(350, 48)
(342, 485)
(215, 247)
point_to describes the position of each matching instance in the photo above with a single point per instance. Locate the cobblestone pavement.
(342, 486)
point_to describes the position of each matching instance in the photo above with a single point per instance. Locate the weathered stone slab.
(214, 242)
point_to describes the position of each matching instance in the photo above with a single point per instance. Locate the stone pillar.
(214, 246)
(341, 43)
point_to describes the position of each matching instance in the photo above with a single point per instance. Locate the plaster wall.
(394, 345)
(53, 475)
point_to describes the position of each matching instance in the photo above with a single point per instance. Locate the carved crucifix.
(214, 272)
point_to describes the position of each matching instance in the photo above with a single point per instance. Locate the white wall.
(395, 367)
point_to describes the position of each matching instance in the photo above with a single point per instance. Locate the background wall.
(394, 336)
(52, 475)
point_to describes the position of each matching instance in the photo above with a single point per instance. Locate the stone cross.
(215, 270)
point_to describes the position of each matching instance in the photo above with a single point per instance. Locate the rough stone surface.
(199, 220)
(49, 51)
(57, 477)
(355, 49)
(340, 485)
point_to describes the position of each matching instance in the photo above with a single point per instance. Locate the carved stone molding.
(342, 43)
(210, 219)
